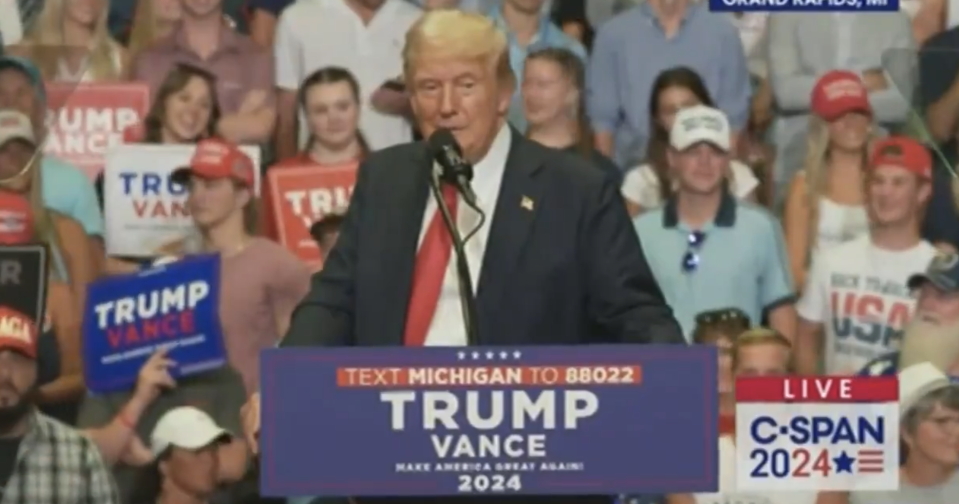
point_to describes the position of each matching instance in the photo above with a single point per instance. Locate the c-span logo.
(817, 433)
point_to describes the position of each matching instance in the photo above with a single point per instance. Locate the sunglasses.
(725, 315)
(691, 259)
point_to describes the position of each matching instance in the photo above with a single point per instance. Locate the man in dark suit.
(559, 261)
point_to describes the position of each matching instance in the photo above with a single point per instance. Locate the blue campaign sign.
(128, 317)
(599, 419)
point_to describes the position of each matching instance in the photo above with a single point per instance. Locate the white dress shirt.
(446, 328)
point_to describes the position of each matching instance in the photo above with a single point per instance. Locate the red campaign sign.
(302, 195)
(85, 120)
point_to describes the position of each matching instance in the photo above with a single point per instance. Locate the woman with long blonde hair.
(69, 42)
(153, 20)
(824, 206)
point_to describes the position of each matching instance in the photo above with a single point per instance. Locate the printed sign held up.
(86, 120)
(498, 421)
(300, 196)
(827, 433)
(127, 318)
(23, 281)
(144, 209)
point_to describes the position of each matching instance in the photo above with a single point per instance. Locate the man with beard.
(933, 333)
(41, 460)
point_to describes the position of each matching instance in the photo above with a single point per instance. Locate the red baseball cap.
(18, 332)
(903, 152)
(839, 92)
(215, 158)
(16, 219)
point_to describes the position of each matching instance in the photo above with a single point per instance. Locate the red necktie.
(429, 270)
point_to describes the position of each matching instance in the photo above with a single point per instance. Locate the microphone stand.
(467, 299)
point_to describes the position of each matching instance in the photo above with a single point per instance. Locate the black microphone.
(456, 169)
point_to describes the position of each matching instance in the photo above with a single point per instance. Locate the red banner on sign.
(85, 120)
(301, 195)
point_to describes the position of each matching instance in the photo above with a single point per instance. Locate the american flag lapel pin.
(526, 203)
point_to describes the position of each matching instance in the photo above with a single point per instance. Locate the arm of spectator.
(602, 96)
(777, 293)
(75, 247)
(98, 479)
(892, 102)
(65, 319)
(939, 89)
(832, 498)
(262, 27)
(735, 91)
(796, 227)
(762, 108)
(928, 20)
(254, 121)
(325, 316)
(623, 295)
(813, 309)
(287, 52)
(680, 499)
(791, 86)
(290, 282)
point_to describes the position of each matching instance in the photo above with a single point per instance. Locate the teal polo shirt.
(742, 261)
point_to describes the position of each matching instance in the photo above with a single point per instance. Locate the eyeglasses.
(694, 242)
(723, 315)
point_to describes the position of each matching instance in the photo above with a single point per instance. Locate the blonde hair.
(454, 34)
(816, 172)
(45, 45)
(761, 336)
(44, 225)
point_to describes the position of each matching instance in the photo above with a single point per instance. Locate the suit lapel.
(516, 207)
(402, 224)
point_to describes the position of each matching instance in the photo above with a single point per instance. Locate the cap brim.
(907, 403)
(19, 348)
(709, 141)
(215, 436)
(18, 138)
(919, 279)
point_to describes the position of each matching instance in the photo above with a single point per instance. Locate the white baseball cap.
(15, 126)
(700, 124)
(916, 382)
(185, 427)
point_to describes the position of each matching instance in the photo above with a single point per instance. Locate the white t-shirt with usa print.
(858, 292)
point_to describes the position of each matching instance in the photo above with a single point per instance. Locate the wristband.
(125, 421)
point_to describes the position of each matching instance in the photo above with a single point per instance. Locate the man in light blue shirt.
(708, 251)
(528, 29)
(65, 188)
(633, 48)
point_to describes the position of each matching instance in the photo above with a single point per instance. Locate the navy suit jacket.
(568, 269)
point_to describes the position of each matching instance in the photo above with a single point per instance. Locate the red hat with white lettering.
(18, 332)
(16, 219)
(215, 158)
(838, 93)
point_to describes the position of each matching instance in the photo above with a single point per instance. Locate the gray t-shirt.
(947, 493)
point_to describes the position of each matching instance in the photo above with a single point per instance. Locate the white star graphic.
(476, 355)
(460, 355)
(503, 355)
(490, 355)
(517, 354)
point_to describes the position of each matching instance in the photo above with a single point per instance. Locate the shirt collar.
(229, 40)
(647, 11)
(489, 169)
(542, 33)
(725, 216)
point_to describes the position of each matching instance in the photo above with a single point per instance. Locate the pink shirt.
(239, 64)
(259, 282)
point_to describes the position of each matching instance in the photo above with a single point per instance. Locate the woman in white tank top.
(824, 206)
(69, 42)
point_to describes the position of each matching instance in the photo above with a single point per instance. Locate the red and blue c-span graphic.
(817, 433)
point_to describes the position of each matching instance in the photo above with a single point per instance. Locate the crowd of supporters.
(791, 179)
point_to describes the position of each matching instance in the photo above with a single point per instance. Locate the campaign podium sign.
(127, 318)
(825, 433)
(527, 420)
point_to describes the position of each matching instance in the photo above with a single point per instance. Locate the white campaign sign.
(144, 210)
